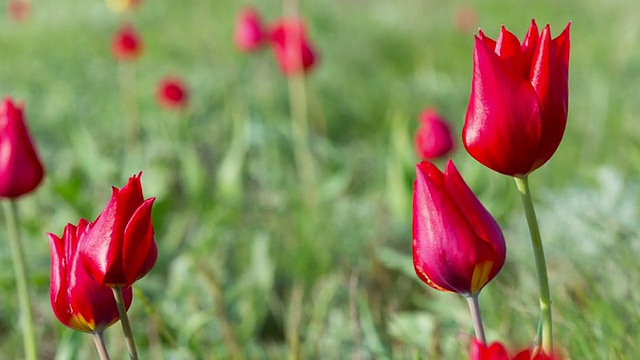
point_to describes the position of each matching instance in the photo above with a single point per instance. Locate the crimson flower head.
(433, 138)
(119, 247)
(78, 301)
(172, 93)
(457, 245)
(518, 106)
(126, 44)
(497, 351)
(291, 47)
(249, 34)
(21, 170)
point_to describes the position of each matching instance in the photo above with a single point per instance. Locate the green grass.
(245, 269)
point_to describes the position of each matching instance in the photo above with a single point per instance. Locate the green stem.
(19, 268)
(98, 340)
(476, 317)
(541, 266)
(126, 327)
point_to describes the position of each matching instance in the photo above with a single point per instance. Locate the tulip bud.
(78, 301)
(433, 138)
(126, 44)
(20, 168)
(172, 93)
(457, 245)
(291, 47)
(518, 106)
(119, 247)
(249, 34)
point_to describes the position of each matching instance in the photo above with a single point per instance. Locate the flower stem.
(126, 327)
(474, 309)
(19, 268)
(98, 340)
(541, 266)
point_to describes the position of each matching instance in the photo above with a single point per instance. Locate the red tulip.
(20, 168)
(172, 93)
(517, 111)
(497, 351)
(457, 245)
(249, 34)
(18, 10)
(119, 247)
(291, 46)
(78, 301)
(126, 44)
(433, 138)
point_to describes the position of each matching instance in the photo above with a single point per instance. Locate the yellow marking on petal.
(480, 276)
(79, 323)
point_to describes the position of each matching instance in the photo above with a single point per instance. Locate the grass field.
(245, 268)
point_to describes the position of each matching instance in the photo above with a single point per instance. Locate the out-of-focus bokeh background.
(246, 269)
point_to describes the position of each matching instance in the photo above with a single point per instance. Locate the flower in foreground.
(457, 245)
(497, 351)
(119, 247)
(21, 170)
(433, 138)
(249, 34)
(518, 106)
(126, 44)
(78, 301)
(172, 93)
(291, 47)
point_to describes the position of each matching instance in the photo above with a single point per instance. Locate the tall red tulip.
(457, 245)
(249, 33)
(293, 50)
(119, 247)
(21, 170)
(518, 106)
(433, 138)
(497, 351)
(172, 93)
(78, 301)
(126, 44)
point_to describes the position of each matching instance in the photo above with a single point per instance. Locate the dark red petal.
(139, 252)
(130, 197)
(58, 283)
(503, 123)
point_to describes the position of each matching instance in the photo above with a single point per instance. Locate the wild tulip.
(119, 248)
(292, 49)
(172, 93)
(497, 351)
(21, 170)
(433, 138)
(457, 245)
(249, 34)
(78, 301)
(518, 106)
(126, 44)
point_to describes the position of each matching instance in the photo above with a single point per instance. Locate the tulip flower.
(291, 47)
(457, 245)
(21, 170)
(497, 351)
(18, 10)
(172, 93)
(119, 247)
(433, 138)
(518, 106)
(249, 34)
(126, 44)
(78, 301)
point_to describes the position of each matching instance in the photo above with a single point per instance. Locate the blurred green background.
(246, 269)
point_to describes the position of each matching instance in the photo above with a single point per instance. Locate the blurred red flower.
(172, 93)
(21, 170)
(293, 50)
(457, 245)
(126, 44)
(249, 34)
(18, 10)
(466, 19)
(78, 301)
(119, 247)
(433, 138)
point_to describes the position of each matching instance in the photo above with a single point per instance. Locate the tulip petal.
(139, 252)
(58, 283)
(503, 121)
